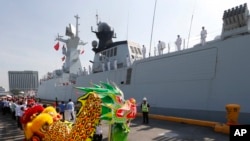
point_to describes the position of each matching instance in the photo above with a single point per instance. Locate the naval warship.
(193, 83)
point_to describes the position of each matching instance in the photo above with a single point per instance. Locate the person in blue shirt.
(62, 107)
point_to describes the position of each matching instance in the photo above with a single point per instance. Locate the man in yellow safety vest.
(145, 109)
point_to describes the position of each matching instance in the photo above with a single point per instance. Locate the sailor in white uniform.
(144, 51)
(203, 36)
(159, 48)
(178, 43)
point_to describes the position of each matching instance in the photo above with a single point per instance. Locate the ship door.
(129, 74)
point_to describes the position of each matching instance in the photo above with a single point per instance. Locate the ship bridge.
(111, 55)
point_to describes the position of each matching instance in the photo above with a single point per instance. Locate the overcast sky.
(29, 27)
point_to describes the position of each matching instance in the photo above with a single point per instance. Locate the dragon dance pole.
(109, 137)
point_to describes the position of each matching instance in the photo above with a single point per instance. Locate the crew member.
(203, 36)
(145, 109)
(178, 43)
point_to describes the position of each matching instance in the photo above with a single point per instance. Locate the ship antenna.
(97, 22)
(191, 24)
(77, 17)
(152, 28)
(127, 25)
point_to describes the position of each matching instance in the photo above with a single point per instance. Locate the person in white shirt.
(203, 36)
(20, 107)
(71, 109)
(178, 43)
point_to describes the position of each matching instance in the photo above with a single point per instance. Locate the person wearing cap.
(145, 109)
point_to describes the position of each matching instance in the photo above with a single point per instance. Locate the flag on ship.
(63, 58)
(56, 46)
(82, 51)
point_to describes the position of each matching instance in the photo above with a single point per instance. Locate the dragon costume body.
(100, 102)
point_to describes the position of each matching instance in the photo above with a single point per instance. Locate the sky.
(29, 27)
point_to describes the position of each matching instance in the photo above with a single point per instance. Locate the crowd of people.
(15, 107)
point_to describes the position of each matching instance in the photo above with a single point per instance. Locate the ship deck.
(156, 130)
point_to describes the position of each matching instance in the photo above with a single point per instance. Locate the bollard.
(233, 111)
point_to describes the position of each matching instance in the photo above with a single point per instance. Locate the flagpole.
(152, 30)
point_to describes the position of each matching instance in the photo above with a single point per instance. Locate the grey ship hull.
(192, 83)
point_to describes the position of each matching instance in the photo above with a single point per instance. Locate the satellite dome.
(94, 44)
(103, 27)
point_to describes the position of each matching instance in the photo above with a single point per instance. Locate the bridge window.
(135, 50)
(111, 52)
(132, 49)
(115, 50)
(139, 50)
(108, 53)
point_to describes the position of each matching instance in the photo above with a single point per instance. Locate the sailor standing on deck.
(203, 36)
(159, 48)
(144, 51)
(178, 43)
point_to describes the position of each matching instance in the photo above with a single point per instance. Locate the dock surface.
(156, 130)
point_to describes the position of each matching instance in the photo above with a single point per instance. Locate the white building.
(23, 80)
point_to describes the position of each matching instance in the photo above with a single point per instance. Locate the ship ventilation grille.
(128, 78)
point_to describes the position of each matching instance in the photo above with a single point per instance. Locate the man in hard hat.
(145, 109)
